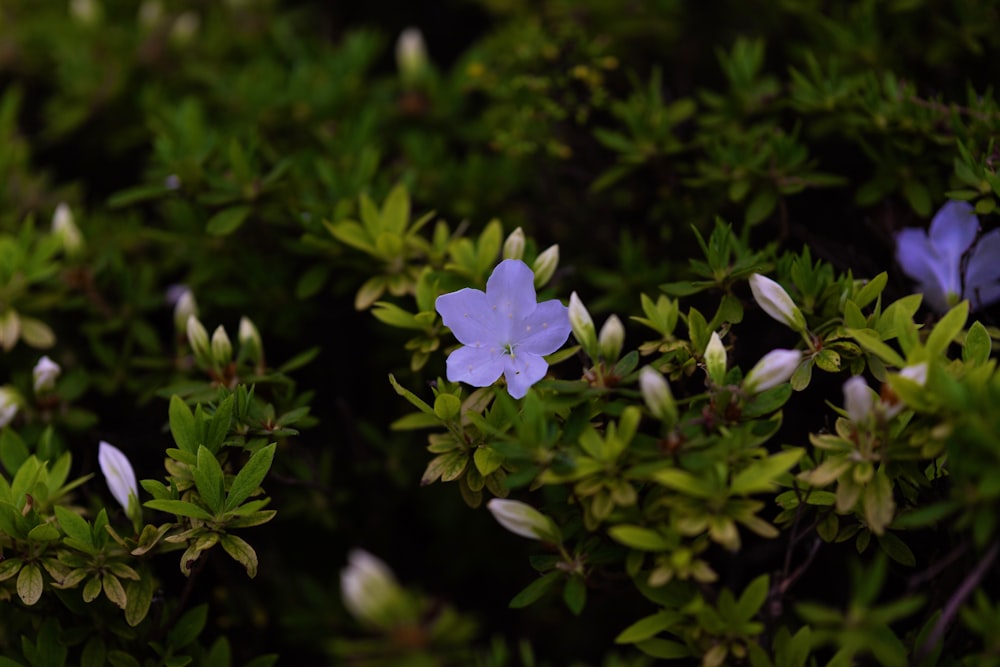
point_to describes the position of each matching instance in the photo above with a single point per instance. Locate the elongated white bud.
(513, 246)
(656, 392)
(611, 339)
(715, 359)
(524, 520)
(774, 300)
(774, 368)
(545, 265)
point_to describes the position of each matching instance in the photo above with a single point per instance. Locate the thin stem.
(955, 602)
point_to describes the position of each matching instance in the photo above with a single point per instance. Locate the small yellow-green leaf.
(242, 552)
(114, 590)
(647, 627)
(978, 345)
(447, 407)
(446, 467)
(228, 220)
(36, 333)
(486, 460)
(30, 584)
(947, 329)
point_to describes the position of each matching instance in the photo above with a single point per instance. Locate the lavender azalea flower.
(935, 259)
(504, 331)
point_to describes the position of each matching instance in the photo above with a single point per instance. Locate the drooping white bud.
(197, 337)
(774, 300)
(523, 519)
(774, 368)
(118, 474)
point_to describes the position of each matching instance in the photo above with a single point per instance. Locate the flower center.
(509, 349)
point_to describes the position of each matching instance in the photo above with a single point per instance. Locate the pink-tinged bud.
(773, 369)
(774, 300)
(859, 400)
(524, 520)
(715, 359)
(44, 374)
(656, 393)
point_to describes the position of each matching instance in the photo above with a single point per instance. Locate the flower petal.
(469, 316)
(982, 276)
(918, 259)
(510, 292)
(953, 229)
(545, 330)
(478, 366)
(523, 370)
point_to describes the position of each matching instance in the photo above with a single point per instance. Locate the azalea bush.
(588, 334)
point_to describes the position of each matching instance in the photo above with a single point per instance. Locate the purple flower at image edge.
(504, 330)
(935, 259)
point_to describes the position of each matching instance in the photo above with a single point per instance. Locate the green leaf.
(228, 220)
(410, 396)
(242, 552)
(664, 649)
(251, 476)
(447, 407)
(978, 345)
(13, 451)
(179, 507)
(760, 476)
(188, 627)
(575, 594)
(947, 329)
(209, 479)
(487, 460)
(218, 425)
(637, 537)
(30, 584)
(535, 589)
(896, 549)
(879, 505)
(753, 597)
(140, 595)
(761, 206)
(647, 627)
(182, 425)
(44, 532)
(869, 340)
(446, 467)
(395, 212)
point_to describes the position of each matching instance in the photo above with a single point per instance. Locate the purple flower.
(935, 259)
(504, 330)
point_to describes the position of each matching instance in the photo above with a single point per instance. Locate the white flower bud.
(774, 368)
(85, 12)
(185, 28)
(611, 339)
(150, 13)
(118, 474)
(656, 392)
(64, 228)
(715, 359)
(251, 345)
(197, 337)
(774, 300)
(524, 520)
(184, 307)
(10, 403)
(583, 325)
(411, 57)
(222, 348)
(545, 265)
(513, 247)
(859, 401)
(45, 374)
(369, 589)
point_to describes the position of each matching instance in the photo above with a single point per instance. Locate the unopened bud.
(715, 359)
(185, 28)
(611, 339)
(184, 307)
(411, 57)
(64, 228)
(198, 340)
(369, 589)
(582, 325)
(859, 400)
(774, 368)
(119, 475)
(524, 520)
(891, 405)
(774, 300)
(222, 348)
(513, 247)
(251, 345)
(85, 12)
(10, 403)
(545, 265)
(150, 13)
(44, 374)
(656, 393)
